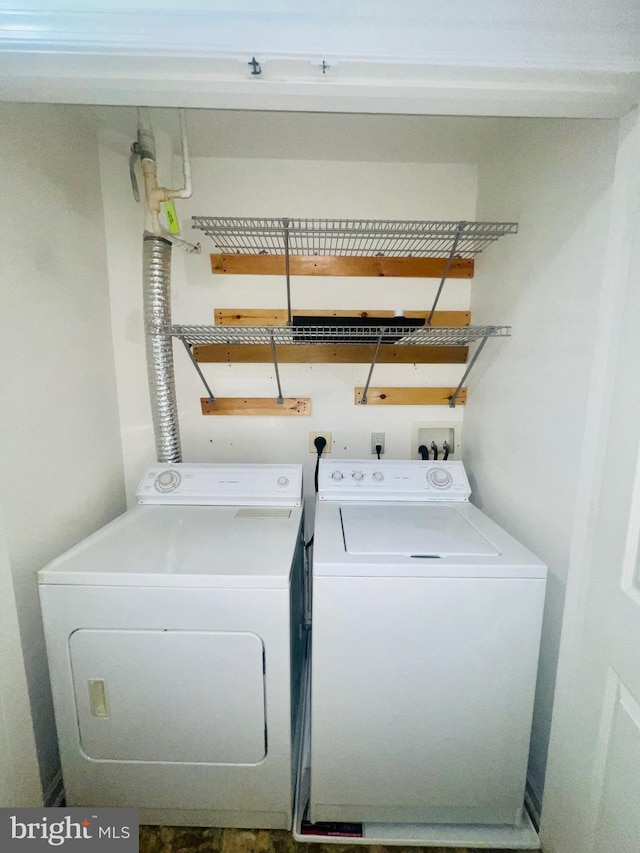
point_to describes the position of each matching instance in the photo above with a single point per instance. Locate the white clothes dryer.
(426, 632)
(175, 641)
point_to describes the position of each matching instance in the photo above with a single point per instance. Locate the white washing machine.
(175, 645)
(426, 631)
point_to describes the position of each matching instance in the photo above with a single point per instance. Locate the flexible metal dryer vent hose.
(157, 312)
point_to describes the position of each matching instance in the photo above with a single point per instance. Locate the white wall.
(62, 466)
(250, 187)
(525, 416)
(19, 774)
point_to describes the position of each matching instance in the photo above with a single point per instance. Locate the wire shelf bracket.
(454, 396)
(287, 267)
(363, 401)
(188, 347)
(210, 395)
(280, 398)
(452, 254)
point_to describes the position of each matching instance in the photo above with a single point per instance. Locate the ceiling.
(317, 136)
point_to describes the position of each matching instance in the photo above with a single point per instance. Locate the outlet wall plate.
(424, 432)
(327, 437)
(377, 438)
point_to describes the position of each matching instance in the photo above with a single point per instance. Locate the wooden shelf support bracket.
(403, 396)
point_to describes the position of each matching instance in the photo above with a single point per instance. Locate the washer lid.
(412, 531)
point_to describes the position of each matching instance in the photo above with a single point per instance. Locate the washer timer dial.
(167, 481)
(440, 478)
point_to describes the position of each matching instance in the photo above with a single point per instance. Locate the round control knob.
(337, 476)
(167, 481)
(440, 478)
(357, 476)
(283, 481)
(378, 476)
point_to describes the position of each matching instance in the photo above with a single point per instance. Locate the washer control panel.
(220, 484)
(392, 480)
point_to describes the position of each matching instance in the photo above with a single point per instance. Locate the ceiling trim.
(170, 82)
(537, 34)
(458, 57)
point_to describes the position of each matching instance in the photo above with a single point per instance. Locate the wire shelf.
(352, 237)
(397, 335)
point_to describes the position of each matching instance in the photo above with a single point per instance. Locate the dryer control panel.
(392, 480)
(220, 484)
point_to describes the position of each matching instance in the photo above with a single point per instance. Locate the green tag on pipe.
(172, 217)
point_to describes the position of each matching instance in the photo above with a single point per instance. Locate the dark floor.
(184, 839)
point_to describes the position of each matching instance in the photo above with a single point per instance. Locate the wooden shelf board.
(268, 406)
(329, 353)
(344, 265)
(278, 316)
(410, 396)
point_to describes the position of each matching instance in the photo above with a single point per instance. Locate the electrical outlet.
(426, 433)
(318, 434)
(377, 438)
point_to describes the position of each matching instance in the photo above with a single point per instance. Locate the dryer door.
(170, 696)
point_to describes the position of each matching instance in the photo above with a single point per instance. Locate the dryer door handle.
(98, 697)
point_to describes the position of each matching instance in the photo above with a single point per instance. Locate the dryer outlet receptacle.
(318, 434)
